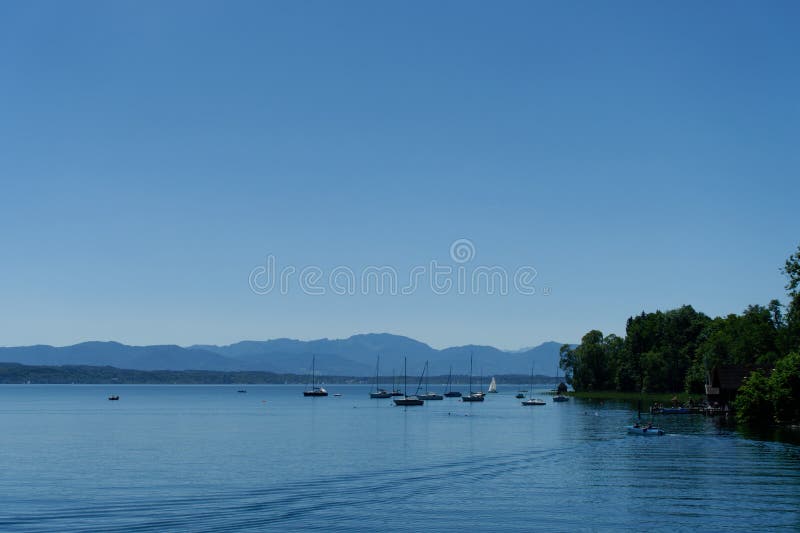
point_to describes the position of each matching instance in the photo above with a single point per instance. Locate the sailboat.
(531, 400)
(429, 395)
(473, 396)
(315, 391)
(379, 392)
(450, 392)
(407, 400)
(493, 386)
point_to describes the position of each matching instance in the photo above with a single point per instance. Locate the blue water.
(205, 458)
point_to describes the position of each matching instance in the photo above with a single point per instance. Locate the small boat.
(338, 394)
(531, 400)
(431, 396)
(534, 401)
(493, 386)
(315, 391)
(520, 395)
(472, 396)
(379, 392)
(646, 430)
(241, 391)
(450, 393)
(407, 400)
(114, 397)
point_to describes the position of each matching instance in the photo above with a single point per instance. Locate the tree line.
(672, 351)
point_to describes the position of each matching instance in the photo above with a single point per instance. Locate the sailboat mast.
(470, 373)
(450, 379)
(419, 385)
(530, 393)
(405, 377)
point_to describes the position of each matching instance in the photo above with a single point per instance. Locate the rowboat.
(645, 431)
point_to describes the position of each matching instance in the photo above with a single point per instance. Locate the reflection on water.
(205, 458)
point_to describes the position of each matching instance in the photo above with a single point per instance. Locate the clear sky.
(638, 155)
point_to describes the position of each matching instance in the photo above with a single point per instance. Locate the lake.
(206, 458)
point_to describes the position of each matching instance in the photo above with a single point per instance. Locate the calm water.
(204, 458)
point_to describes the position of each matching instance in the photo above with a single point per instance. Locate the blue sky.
(639, 155)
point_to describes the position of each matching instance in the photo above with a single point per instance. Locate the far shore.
(16, 373)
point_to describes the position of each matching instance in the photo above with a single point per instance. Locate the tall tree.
(790, 339)
(791, 269)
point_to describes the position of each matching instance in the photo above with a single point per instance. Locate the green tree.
(785, 388)
(790, 339)
(753, 404)
(660, 348)
(743, 339)
(567, 361)
(592, 364)
(764, 400)
(791, 269)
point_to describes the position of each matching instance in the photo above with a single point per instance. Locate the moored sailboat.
(407, 400)
(473, 396)
(531, 400)
(450, 393)
(429, 395)
(314, 391)
(379, 392)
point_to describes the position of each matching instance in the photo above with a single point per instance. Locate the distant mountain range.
(354, 356)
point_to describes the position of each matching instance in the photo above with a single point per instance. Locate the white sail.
(493, 386)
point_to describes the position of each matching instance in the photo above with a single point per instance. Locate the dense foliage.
(672, 351)
(765, 399)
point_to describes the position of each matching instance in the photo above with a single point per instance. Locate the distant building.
(723, 382)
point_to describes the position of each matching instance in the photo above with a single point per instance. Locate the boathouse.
(723, 382)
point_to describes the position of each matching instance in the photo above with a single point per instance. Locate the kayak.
(642, 430)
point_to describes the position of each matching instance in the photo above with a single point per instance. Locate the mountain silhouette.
(353, 356)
